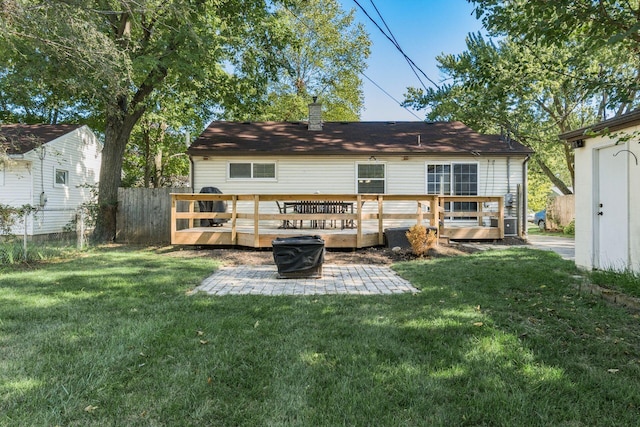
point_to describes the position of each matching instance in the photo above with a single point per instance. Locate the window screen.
(371, 178)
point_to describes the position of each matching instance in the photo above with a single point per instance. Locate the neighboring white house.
(607, 194)
(50, 167)
(359, 157)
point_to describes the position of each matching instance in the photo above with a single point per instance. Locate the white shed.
(49, 167)
(606, 193)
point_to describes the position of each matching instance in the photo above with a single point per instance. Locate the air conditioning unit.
(510, 226)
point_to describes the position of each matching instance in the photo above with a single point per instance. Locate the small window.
(62, 177)
(371, 178)
(252, 170)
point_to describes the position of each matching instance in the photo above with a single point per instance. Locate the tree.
(529, 92)
(113, 56)
(325, 60)
(594, 25)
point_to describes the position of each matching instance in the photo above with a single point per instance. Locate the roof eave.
(217, 153)
(613, 124)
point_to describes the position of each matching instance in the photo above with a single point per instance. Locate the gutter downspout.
(191, 178)
(525, 192)
(187, 141)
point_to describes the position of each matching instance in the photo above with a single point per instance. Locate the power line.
(312, 30)
(412, 64)
(390, 96)
(414, 67)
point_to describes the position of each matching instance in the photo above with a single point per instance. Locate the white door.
(611, 211)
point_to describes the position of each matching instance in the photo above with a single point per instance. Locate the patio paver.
(336, 279)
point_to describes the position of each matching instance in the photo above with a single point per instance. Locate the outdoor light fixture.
(578, 143)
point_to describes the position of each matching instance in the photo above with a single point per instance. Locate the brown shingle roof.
(610, 125)
(20, 139)
(367, 138)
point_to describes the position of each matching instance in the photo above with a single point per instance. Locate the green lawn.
(114, 338)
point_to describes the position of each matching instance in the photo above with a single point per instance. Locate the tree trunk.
(554, 179)
(117, 131)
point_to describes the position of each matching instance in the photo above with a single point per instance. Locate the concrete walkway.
(336, 279)
(563, 246)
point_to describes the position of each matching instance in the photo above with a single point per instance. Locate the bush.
(570, 228)
(420, 239)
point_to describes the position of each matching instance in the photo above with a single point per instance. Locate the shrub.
(570, 228)
(420, 239)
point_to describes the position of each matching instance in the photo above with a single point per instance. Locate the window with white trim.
(456, 179)
(61, 178)
(252, 170)
(371, 178)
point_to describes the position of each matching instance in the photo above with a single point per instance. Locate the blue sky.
(424, 29)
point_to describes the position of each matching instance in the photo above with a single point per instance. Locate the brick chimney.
(315, 115)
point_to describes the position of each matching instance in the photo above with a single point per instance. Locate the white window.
(371, 178)
(61, 178)
(252, 170)
(455, 179)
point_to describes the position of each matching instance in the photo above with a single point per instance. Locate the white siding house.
(51, 168)
(606, 193)
(359, 157)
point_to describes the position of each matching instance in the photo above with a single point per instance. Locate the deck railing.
(255, 220)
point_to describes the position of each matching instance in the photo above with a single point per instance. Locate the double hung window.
(371, 178)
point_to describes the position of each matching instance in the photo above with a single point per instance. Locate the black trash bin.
(212, 206)
(300, 256)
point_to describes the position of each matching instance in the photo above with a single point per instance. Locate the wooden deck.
(255, 220)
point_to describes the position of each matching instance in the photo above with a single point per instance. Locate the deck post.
(380, 219)
(256, 220)
(359, 216)
(433, 221)
(234, 217)
(173, 218)
(192, 210)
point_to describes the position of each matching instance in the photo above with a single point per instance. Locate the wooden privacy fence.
(561, 210)
(144, 214)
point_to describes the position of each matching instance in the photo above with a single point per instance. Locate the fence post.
(80, 229)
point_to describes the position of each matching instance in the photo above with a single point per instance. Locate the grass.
(627, 282)
(12, 251)
(113, 338)
(535, 230)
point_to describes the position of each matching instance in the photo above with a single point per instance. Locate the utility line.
(412, 64)
(390, 96)
(361, 72)
(393, 41)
